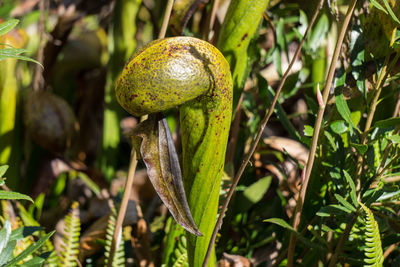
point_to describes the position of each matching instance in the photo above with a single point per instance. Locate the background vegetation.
(313, 151)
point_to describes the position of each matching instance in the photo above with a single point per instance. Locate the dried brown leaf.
(158, 153)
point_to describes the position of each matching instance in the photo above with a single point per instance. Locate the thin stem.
(317, 128)
(167, 15)
(257, 139)
(123, 207)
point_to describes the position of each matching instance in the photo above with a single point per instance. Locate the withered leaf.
(158, 153)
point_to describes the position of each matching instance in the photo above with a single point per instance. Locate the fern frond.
(119, 256)
(70, 246)
(180, 257)
(373, 251)
(52, 260)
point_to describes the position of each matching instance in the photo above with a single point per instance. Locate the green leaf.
(308, 130)
(304, 240)
(14, 195)
(7, 252)
(3, 170)
(331, 140)
(391, 13)
(36, 261)
(256, 191)
(394, 138)
(282, 223)
(5, 56)
(339, 127)
(7, 26)
(5, 234)
(388, 123)
(360, 148)
(378, 6)
(332, 210)
(319, 32)
(344, 110)
(23, 232)
(12, 51)
(344, 202)
(31, 249)
(353, 192)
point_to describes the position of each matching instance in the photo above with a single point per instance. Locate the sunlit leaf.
(7, 26)
(344, 110)
(353, 192)
(7, 55)
(14, 195)
(391, 13)
(344, 202)
(31, 249)
(3, 170)
(339, 127)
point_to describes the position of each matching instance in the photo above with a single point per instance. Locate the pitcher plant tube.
(193, 75)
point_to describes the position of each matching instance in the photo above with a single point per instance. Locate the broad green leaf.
(5, 234)
(360, 148)
(387, 123)
(158, 153)
(308, 130)
(14, 195)
(339, 127)
(256, 191)
(7, 26)
(7, 252)
(31, 249)
(319, 32)
(344, 202)
(353, 192)
(23, 232)
(394, 138)
(3, 170)
(344, 110)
